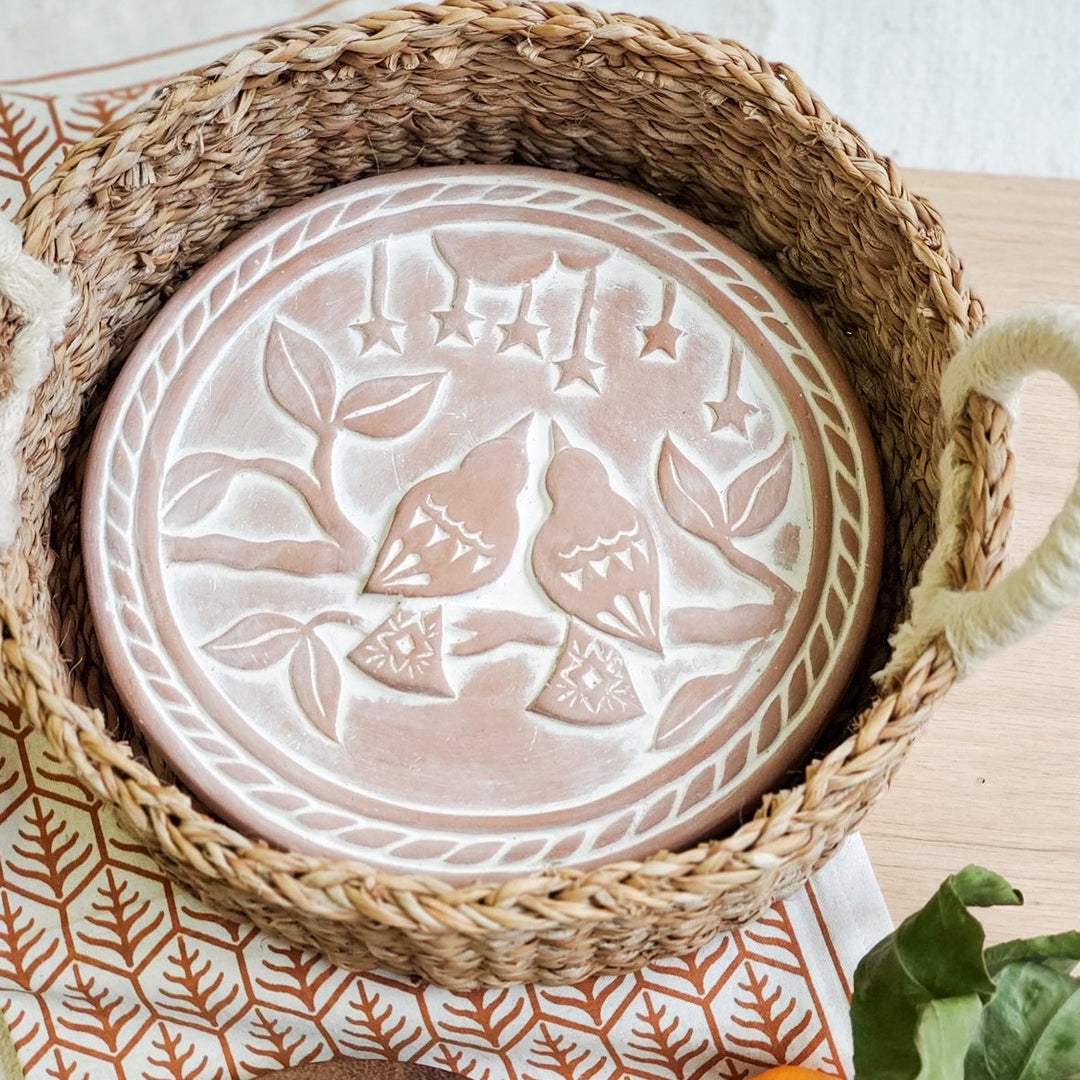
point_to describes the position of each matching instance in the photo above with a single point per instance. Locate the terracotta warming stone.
(472, 521)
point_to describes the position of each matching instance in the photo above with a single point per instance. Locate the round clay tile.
(471, 521)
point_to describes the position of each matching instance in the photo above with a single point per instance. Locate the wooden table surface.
(996, 777)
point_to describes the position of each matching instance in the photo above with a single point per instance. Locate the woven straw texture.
(704, 125)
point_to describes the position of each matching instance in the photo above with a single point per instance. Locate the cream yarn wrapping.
(977, 624)
(44, 300)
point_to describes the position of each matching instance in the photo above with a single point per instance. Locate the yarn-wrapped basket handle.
(44, 301)
(977, 624)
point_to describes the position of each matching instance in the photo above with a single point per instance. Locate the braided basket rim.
(729, 879)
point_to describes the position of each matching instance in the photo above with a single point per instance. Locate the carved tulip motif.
(405, 652)
(590, 684)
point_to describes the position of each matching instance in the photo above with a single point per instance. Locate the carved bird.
(455, 531)
(594, 555)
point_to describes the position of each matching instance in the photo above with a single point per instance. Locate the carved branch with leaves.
(751, 503)
(264, 639)
(299, 377)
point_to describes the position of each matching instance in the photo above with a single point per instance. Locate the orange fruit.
(793, 1072)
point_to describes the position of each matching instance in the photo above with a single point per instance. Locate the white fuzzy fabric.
(977, 624)
(45, 300)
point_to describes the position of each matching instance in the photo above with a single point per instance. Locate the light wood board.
(996, 777)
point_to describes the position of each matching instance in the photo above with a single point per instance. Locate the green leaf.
(935, 954)
(1059, 951)
(943, 1034)
(978, 887)
(942, 944)
(884, 1015)
(1031, 1029)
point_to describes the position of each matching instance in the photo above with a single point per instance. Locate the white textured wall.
(983, 85)
(977, 85)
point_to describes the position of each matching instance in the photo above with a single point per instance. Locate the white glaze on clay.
(469, 521)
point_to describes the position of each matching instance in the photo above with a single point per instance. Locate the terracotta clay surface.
(467, 521)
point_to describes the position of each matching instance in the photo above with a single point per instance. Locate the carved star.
(661, 337)
(731, 412)
(577, 367)
(456, 320)
(380, 330)
(521, 332)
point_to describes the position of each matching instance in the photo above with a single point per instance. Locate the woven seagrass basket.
(702, 124)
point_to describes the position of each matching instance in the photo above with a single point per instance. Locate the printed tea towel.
(109, 970)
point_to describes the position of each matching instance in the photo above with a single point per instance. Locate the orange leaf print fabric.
(108, 970)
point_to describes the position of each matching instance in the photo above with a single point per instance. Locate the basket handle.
(44, 301)
(977, 624)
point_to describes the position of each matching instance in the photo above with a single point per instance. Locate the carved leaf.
(388, 407)
(690, 707)
(756, 496)
(300, 375)
(316, 681)
(256, 641)
(195, 485)
(688, 494)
